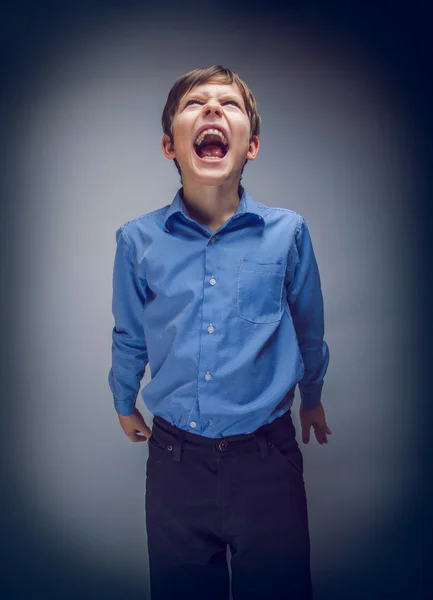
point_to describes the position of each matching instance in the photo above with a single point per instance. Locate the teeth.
(200, 138)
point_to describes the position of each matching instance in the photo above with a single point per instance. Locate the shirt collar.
(246, 206)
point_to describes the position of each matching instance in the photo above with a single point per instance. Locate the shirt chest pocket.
(259, 296)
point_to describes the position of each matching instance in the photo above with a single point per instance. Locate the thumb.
(305, 432)
(145, 429)
(140, 425)
(140, 434)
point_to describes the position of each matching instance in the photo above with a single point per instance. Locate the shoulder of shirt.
(136, 220)
(286, 211)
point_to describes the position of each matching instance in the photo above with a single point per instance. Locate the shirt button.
(193, 424)
(208, 376)
(210, 421)
(212, 280)
(213, 239)
(211, 328)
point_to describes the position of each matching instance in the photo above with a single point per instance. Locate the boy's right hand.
(134, 424)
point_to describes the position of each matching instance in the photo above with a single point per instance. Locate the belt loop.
(263, 445)
(177, 446)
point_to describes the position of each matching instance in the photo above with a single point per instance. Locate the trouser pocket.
(289, 454)
(160, 453)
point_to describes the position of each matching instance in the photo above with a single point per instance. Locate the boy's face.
(211, 106)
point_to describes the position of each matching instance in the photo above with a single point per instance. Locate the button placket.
(210, 327)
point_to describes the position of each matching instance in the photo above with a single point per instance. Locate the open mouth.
(211, 146)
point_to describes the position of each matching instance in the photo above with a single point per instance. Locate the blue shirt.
(228, 321)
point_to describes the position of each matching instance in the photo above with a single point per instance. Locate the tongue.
(211, 150)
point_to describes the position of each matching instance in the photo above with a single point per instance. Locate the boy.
(221, 296)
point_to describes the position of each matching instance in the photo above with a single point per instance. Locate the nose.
(212, 107)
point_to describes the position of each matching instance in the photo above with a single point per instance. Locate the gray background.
(338, 145)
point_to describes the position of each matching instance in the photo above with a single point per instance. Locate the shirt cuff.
(311, 394)
(125, 408)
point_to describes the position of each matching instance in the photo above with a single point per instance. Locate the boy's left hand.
(314, 417)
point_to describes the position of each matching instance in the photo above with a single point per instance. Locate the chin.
(212, 178)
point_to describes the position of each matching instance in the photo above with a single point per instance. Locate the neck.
(211, 205)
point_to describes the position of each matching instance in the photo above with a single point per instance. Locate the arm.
(306, 306)
(129, 351)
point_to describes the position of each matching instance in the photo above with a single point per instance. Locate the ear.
(167, 147)
(253, 148)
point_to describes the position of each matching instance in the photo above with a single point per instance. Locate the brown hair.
(187, 82)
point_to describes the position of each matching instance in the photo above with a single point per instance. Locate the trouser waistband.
(169, 435)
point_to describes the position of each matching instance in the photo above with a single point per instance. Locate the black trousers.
(246, 491)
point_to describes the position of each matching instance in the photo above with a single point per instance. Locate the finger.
(146, 431)
(138, 436)
(321, 434)
(326, 431)
(306, 434)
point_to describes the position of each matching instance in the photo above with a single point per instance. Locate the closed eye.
(200, 102)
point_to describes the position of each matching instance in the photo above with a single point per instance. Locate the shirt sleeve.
(306, 306)
(129, 351)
